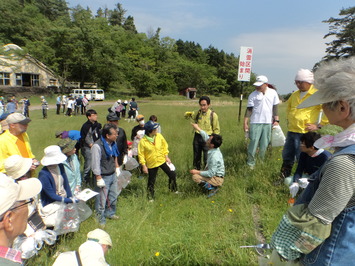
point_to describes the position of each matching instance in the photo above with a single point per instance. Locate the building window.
(35, 80)
(4, 78)
(18, 79)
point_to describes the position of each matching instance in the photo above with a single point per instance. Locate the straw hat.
(17, 166)
(53, 155)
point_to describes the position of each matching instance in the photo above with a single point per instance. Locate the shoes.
(213, 192)
(208, 186)
(114, 217)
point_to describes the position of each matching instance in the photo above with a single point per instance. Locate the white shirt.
(262, 106)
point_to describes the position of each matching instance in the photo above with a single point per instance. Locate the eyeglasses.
(23, 204)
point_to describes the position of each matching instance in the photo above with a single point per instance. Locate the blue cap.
(150, 125)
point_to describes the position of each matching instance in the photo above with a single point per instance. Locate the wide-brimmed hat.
(66, 145)
(53, 155)
(318, 98)
(150, 125)
(17, 166)
(260, 80)
(100, 236)
(15, 118)
(11, 192)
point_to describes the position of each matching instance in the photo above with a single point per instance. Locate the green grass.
(188, 228)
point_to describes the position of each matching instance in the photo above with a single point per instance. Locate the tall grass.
(186, 228)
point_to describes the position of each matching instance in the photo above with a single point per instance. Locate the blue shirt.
(215, 162)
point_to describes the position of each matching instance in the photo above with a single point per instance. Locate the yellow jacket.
(298, 118)
(204, 121)
(153, 154)
(8, 147)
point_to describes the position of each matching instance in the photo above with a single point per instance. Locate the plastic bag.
(84, 211)
(68, 219)
(123, 180)
(277, 137)
(131, 164)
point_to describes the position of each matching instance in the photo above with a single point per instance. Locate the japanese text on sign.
(245, 59)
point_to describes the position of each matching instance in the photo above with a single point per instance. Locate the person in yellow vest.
(300, 121)
(15, 140)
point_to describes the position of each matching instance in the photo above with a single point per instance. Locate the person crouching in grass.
(213, 176)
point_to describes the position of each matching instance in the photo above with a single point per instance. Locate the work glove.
(294, 189)
(100, 183)
(118, 171)
(125, 158)
(303, 182)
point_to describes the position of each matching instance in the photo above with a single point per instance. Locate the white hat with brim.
(17, 166)
(318, 98)
(100, 236)
(11, 192)
(260, 80)
(53, 155)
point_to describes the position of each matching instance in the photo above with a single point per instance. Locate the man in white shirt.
(262, 113)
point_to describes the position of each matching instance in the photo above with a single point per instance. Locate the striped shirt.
(336, 190)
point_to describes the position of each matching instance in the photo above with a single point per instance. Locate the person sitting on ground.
(53, 177)
(213, 176)
(91, 252)
(153, 153)
(14, 198)
(311, 159)
(71, 164)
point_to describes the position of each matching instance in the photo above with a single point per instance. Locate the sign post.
(244, 70)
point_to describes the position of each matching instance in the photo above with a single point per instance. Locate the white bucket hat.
(17, 166)
(53, 155)
(11, 192)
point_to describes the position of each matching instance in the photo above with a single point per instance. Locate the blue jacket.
(48, 193)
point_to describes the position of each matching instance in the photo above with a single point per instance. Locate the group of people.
(72, 105)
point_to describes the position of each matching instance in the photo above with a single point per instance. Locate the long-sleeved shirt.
(153, 154)
(72, 170)
(298, 118)
(215, 162)
(204, 121)
(14, 145)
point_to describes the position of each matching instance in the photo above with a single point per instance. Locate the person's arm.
(95, 161)
(203, 134)
(247, 115)
(124, 140)
(275, 114)
(48, 189)
(300, 167)
(141, 157)
(336, 188)
(213, 166)
(215, 124)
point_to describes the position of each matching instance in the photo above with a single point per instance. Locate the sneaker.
(213, 192)
(208, 186)
(114, 217)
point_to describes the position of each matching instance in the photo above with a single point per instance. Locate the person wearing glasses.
(300, 121)
(14, 199)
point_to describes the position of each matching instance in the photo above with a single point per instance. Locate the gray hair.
(336, 80)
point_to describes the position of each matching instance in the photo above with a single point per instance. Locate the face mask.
(141, 122)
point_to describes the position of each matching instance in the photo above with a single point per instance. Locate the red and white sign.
(245, 59)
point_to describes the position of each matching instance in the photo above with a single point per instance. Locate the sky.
(285, 35)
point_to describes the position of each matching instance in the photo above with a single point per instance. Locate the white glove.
(118, 171)
(100, 183)
(294, 189)
(125, 158)
(303, 182)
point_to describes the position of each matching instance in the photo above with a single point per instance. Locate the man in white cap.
(15, 140)
(14, 200)
(300, 121)
(92, 252)
(262, 112)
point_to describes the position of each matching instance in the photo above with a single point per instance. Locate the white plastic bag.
(277, 137)
(123, 180)
(131, 164)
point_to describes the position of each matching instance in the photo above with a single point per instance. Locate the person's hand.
(167, 159)
(303, 182)
(100, 183)
(294, 189)
(311, 127)
(246, 127)
(195, 126)
(145, 169)
(35, 164)
(194, 172)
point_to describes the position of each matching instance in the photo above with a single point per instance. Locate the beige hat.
(15, 118)
(17, 166)
(53, 155)
(11, 192)
(100, 236)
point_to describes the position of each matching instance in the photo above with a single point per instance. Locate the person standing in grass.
(58, 103)
(207, 120)
(262, 112)
(153, 154)
(44, 105)
(213, 176)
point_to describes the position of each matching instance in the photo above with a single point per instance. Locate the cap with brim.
(100, 236)
(58, 133)
(16, 166)
(67, 145)
(53, 155)
(112, 117)
(150, 125)
(15, 118)
(11, 192)
(260, 80)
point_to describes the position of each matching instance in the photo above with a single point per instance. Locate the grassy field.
(186, 228)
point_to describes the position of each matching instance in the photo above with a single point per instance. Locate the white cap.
(305, 75)
(17, 166)
(11, 192)
(53, 155)
(260, 80)
(100, 236)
